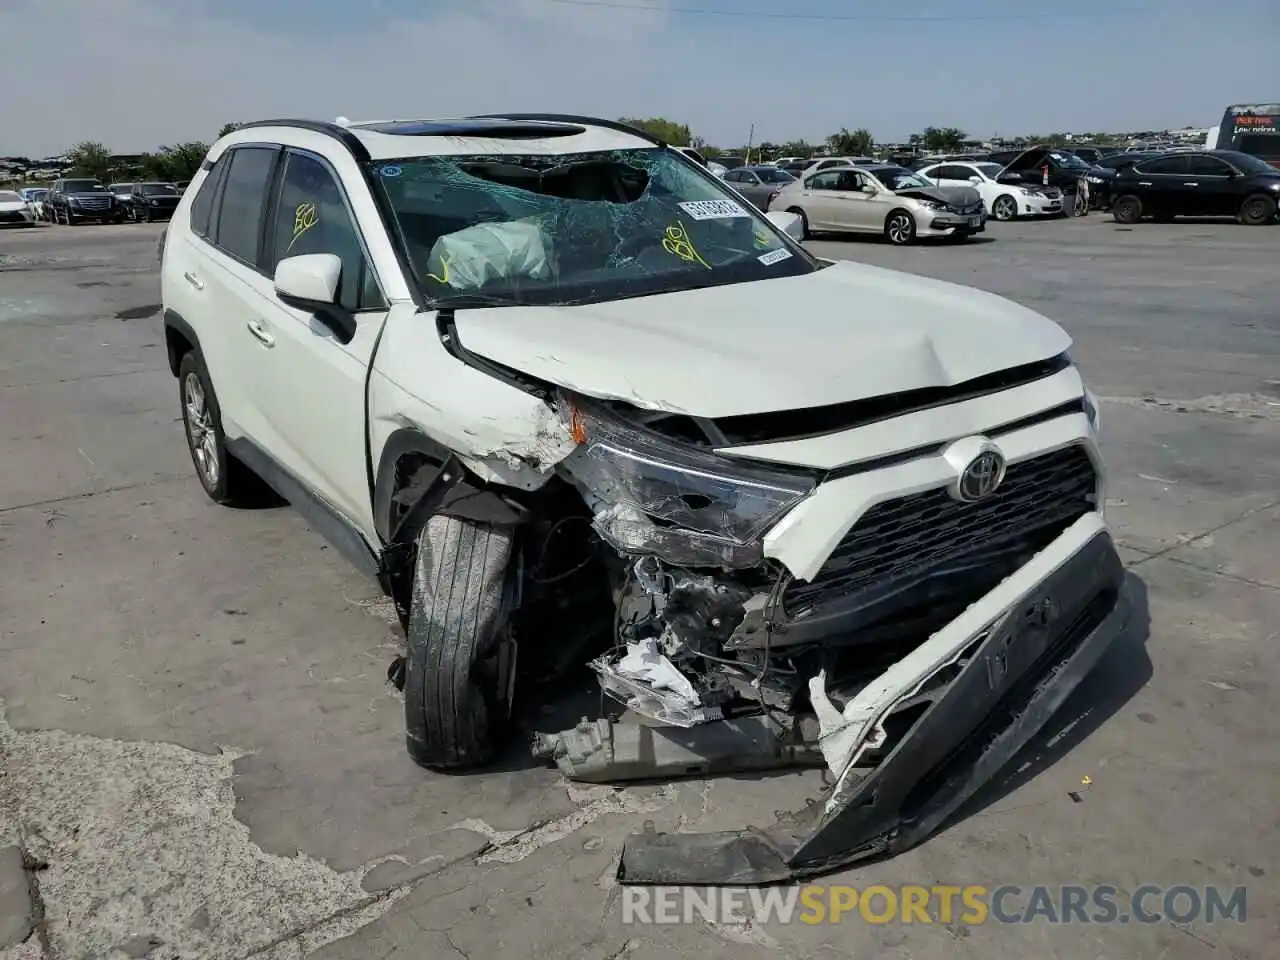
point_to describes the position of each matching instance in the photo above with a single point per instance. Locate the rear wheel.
(1257, 210)
(1127, 209)
(900, 228)
(804, 221)
(459, 674)
(1005, 207)
(224, 478)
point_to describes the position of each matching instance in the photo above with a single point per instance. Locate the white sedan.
(1004, 201)
(14, 209)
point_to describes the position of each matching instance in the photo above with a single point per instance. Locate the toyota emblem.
(982, 477)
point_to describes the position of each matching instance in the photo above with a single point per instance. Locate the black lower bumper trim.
(1027, 665)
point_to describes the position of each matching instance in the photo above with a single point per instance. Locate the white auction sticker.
(774, 256)
(713, 209)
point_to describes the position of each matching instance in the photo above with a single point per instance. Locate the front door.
(308, 384)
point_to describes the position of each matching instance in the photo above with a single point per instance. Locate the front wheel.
(459, 674)
(1005, 208)
(1127, 209)
(900, 228)
(1257, 210)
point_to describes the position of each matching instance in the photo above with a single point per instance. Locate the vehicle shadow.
(1123, 670)
(880, 240)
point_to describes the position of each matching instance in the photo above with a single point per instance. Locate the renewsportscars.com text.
(971, 904)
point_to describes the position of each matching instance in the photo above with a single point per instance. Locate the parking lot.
(202, 756)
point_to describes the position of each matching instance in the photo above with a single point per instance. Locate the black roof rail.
(617, 125)
(339, 133)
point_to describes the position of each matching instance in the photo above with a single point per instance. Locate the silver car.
(759, 185)
(884, 199)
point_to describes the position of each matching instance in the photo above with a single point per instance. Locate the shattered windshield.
(561, 229)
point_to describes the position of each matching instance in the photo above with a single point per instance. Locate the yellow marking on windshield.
(677, 243)
(444, 269)
(305, 217)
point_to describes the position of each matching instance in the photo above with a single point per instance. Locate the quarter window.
(202, 205)
(243, 200)
(312, 217)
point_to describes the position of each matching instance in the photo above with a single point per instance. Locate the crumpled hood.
(956, 196)
(847, 332)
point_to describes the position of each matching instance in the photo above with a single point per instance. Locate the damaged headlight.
(687, 507)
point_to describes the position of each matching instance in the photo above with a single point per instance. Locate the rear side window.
(202, 205)
(1164, 165)
(243, 200)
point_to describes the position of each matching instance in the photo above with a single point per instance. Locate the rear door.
(224, 278)
(821, 205)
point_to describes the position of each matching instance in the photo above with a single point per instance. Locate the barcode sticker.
(774, 256)
(713, 209)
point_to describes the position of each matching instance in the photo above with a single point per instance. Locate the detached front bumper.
(990, 680)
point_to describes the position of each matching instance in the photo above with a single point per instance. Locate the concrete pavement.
(203, 759)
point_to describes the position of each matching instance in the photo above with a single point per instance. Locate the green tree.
(942, 138)
(173, 163)
(846, 143)
(668, 131)
(797, 148)
(227, 128)
(91, 159)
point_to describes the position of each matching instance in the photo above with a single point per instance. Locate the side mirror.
(975, 180)
(788, 223)
(311, 282)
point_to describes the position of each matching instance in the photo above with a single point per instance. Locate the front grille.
(94, 203)
(900, 543)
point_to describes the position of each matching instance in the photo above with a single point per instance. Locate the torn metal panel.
(607, 752)
(1022, 671)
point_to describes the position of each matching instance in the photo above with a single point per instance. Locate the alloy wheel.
(900, 229)
(201, 436)
(1004, 208)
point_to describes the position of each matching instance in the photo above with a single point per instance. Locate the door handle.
(192, 279)
(1144, 183)
(260, 332)
(1191, 184)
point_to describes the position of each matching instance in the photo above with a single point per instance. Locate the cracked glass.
(559, 229)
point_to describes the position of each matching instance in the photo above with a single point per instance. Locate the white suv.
(555, 387)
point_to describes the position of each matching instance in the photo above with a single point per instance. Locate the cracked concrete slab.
(17, 910)
(219, 675)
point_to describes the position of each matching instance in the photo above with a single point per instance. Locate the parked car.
(120, 191)
(35, 197)
(717, 169)
(1051, 169)
(758, 184)
(14, 210)
(1104, 172)
(1003, 201)
(151, 201)
(182, 185)
(74, 200)
(883, 199)
(693, 452)
(795, 165)
(1095, 154)
(827, 163)
(1208, 183)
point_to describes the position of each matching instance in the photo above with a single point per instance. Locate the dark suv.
(74, 200)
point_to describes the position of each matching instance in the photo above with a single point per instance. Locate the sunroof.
(498, 129)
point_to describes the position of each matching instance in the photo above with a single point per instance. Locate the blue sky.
(137, 73)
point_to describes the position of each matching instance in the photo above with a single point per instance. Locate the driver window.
(312, 217)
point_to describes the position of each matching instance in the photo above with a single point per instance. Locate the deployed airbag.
(474, 256)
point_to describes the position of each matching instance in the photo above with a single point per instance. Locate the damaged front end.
(913, 680)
